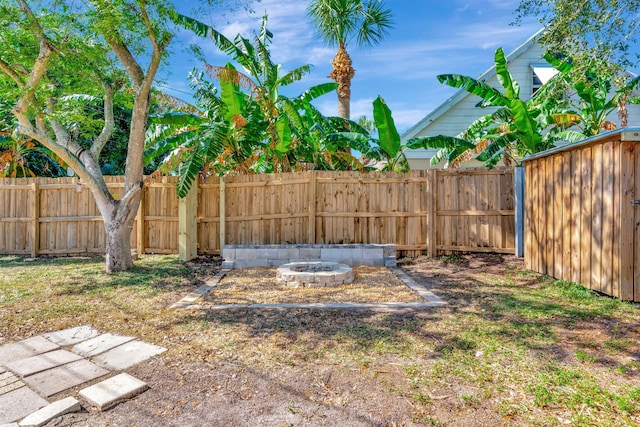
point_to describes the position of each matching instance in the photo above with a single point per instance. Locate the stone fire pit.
(314, 274)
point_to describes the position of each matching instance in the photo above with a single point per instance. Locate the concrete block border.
(431, 300)
(240, 256)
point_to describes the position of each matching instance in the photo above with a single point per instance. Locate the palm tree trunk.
(342, 73)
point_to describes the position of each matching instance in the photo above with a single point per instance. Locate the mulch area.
(258, 285)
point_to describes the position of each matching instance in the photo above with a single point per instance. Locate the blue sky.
(428, 38)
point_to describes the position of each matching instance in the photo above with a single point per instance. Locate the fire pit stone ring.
(314, 274)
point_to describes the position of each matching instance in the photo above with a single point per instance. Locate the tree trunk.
(342, 73)
(344, 106)
(118, 218)
(118, 247)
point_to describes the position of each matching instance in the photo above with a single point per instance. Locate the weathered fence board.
(422, 211)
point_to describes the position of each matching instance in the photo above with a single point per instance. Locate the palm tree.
(341, 21)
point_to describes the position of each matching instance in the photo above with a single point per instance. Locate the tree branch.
(128, 61)
(63, 139)
(39, 67)
(6, 68)
(109, 122)
(158, 48)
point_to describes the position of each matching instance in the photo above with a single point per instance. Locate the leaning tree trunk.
(342, 73)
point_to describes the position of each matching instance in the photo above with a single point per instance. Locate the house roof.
(461, 94)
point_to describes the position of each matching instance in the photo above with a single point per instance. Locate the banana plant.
(514, 130)
(595, 96)
(311, 130)
(243, 125)
(22, 158)
(262, 80)
(223, 132)
(387, 146)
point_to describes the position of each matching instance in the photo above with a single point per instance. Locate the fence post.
(223, 213)
(187, 224)
(518, 177)
(432, 175)
(36, 221)
(311, 238)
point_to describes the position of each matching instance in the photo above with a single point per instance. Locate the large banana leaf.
(357, 141)
(566, 119)
(234, 100)
(294, 75)
(189, 171)
(316, 91)
(491, 95)
(570, 136)
(203, 30)
(292, 113)
(559, 61)
(478, 128)
(526, 125)
(167, 141)
(594, 94)
(283, 146)
(388, 136)
(512, 88)
(496, 146)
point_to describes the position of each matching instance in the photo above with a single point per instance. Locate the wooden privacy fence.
(582, 214)
(432, 211)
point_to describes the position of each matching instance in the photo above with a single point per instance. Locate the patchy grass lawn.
(511, 348)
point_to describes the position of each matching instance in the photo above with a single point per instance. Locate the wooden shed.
(582, 213)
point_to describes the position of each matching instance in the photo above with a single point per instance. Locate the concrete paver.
(72, 335)
(25, 348)
(39, 366)
(64, 377)
(18, 404)
(100, 344)
(127, 355)
(51, 411)
(9, 382)
(42, 362)
(109, 392)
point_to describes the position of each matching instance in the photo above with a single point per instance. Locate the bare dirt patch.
(259, 285)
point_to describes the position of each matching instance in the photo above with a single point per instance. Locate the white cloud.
(236, 27)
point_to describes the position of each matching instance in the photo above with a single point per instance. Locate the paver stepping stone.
(64, 377)
(72, 335)
(127, 355)
(18, 404)
(42, 362)
(100, 344)
(25, 348)
(110, 392)
(9, 382)
(51, 411)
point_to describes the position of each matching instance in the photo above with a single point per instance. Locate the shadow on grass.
(548, 318)
(85, 275)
